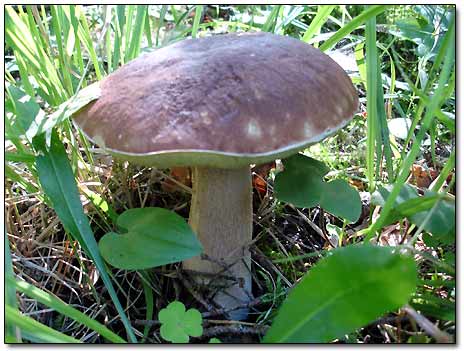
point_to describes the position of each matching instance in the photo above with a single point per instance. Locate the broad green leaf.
(342, 200)
(302, 162)
(442, 220)
(25, 107)
(177, 324)
(380, 196)
(301, 181)
(344, 291)
(407, 192)
(58, 183)
(155, 236)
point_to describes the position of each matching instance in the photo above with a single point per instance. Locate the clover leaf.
(177, 324)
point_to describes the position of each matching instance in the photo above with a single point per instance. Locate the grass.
(62, 195)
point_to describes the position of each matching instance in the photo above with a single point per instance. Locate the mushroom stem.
(221, 215)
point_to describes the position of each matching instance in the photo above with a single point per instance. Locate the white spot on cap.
(258, 94)
(205, 117)
(339, 110)
(98, 139)
(272, 129)
(307, 130)
(119, 136)
(252, 55)
(253, 129)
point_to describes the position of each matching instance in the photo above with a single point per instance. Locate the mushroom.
(220, 104)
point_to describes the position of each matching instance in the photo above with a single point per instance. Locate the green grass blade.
(371, 83)
(433, 74)
(57, 25)
(137, 32)
(196, 20)
(65, 309)
(45, 39)
(148, 291)
(15, 177)
(19, 157)
(86, 38)
(78, 59)
(371, 12)
(118, 58)
(127, 33)
(383, 127)
(293, 14)
(445, 172)
(10, 292)
(39, 65)
(174, 14)
(323, 13)
(58, 182)
(163, 11)
(38, 331)
(271, 20)
(147, 29)
(435, 103)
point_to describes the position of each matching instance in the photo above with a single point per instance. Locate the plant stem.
(221, 215)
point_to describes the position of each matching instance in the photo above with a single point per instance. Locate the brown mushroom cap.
(221, 101)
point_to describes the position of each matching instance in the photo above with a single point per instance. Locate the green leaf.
(342, 200)
(442, 220)
(305, 163)
(155, 237)
(301, 181)
(177, 324)
(214, 341)
(25, 107)
(380, 196)
(343, 292)
(58, 183)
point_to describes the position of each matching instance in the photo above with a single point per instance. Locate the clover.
(177, 324)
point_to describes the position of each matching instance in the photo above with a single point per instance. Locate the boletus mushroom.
(219, 104)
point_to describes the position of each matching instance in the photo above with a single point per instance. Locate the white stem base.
(221, 215)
